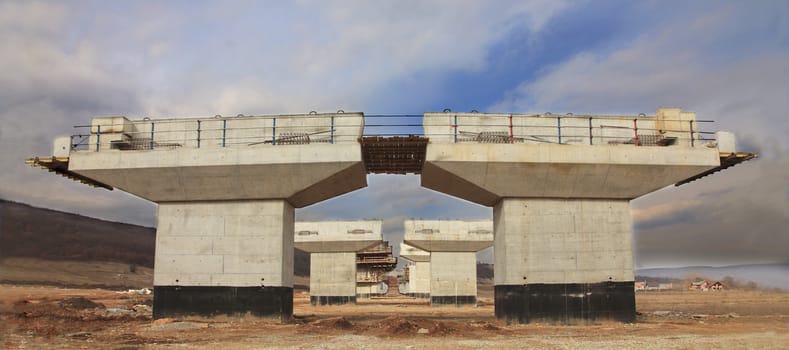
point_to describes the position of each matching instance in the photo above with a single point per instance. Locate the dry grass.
(74, 273)
(34, 317)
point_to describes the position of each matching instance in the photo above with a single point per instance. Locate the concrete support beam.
(224, 257)
(332, 278)
(365, 290)
(337, 236)
(418, 273)
(413, 254)
(421, 279)
(453, 278)
(302, 174)
(449, 235)
(563, 260)
(485, 173)
(418, 280)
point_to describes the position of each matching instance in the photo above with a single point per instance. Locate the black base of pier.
(173, 301)
(332, 300)
(567, 303)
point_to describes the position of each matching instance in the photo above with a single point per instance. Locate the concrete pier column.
(332, 278)
(365, 291)
(224, 257)
(453, 278)
(418, 273)
(563, 260)
(419, 283)
(451, 248)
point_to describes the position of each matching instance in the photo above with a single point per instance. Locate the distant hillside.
(656, 280)
(30, 232)
(301, 263)
(752, 276)
(484, 273)
(71, 273)
(763, 275)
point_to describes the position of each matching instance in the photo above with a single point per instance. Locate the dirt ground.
(33, 317)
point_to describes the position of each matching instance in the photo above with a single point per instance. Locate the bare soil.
(33, 317)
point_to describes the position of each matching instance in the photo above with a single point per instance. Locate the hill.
(484, 273)
(39, 245)
(31, 232)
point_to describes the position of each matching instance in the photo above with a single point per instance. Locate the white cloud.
(33, 17)
(64, 62)
(397, 38)
(663, 211)
(725, 63)
(740, 215)
(52, 82)
(676, 64)
(338, 54)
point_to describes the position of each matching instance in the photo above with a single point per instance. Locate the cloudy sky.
(64, 62)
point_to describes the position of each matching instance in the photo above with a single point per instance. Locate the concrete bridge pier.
(224, 257)
(332, 246)
(226, 190)
(453, 247)
(563, 260)
(560, 188)
(419, 283)
(418, 273)
(332, 278)
(453, 278)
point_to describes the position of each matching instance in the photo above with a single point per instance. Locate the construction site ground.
(38, 317)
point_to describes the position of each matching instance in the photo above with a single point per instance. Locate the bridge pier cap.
(303, 159)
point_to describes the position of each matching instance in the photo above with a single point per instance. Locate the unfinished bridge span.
(559, 186)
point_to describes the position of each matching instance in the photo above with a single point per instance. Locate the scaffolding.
(374, 263)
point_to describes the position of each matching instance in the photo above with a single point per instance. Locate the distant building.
(716, 286)
(665, 286)
(646, 286)
(703, 285)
